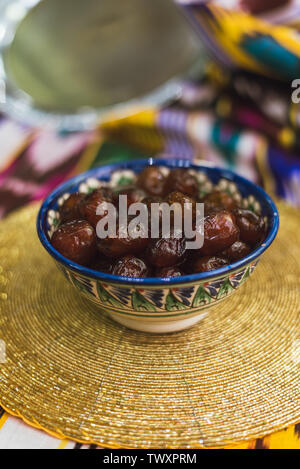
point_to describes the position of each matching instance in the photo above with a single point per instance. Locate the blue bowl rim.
(260, 194)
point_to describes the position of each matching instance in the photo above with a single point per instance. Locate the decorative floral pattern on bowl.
(158, 305)
(166, 302)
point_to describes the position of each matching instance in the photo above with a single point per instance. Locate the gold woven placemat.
(77, 374)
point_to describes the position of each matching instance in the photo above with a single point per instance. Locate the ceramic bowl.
(158, 305)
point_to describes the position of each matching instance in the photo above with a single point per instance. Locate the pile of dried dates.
(230, 232)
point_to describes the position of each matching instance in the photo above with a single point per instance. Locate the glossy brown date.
(207, 263)
(181, 180)
(252, 227)
(133, 194)
(185, 202)
(218, 201)
(117, 246)
(152, 180)
(70, 208)
(237, 251)
(220, 232)
(172, 271)
(165, 252)
(97, 199)
(75, 240)
(130, 266)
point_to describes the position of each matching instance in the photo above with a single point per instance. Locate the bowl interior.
(250, 193)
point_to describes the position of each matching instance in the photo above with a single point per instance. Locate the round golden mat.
(74, 372)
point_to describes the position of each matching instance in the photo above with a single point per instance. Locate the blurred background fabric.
(235, 119)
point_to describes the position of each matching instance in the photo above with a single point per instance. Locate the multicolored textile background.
(224, 119)
(230, 117)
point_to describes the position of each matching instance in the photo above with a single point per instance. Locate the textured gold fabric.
(74, 372)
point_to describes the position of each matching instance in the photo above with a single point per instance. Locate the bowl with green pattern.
(158, 304)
